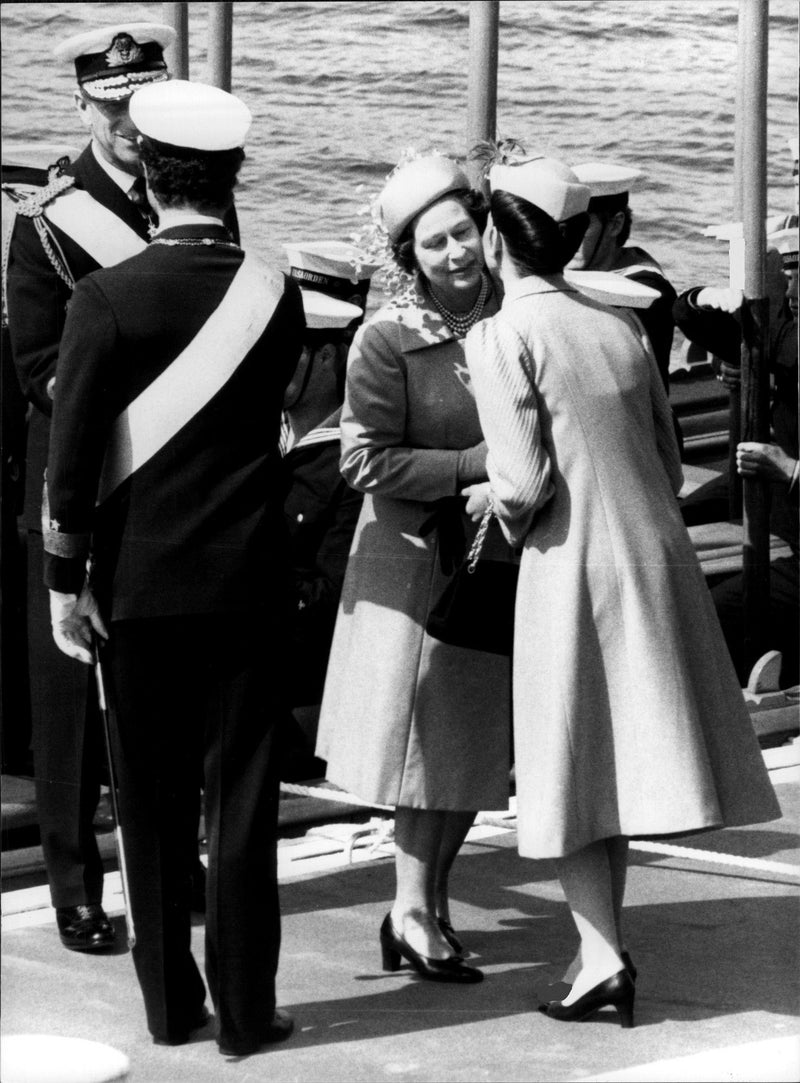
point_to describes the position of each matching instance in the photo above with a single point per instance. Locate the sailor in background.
(605, 248)
(89, 216)
(321, 508)
(164, 450)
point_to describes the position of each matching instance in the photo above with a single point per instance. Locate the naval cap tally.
(113, 61)
(786, 242)
(194, 116)
(547, 183)
(414, 187)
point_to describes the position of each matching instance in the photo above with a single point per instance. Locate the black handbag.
(476, 608)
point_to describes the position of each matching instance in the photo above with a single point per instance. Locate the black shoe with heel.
(394, 947)
(618, 992)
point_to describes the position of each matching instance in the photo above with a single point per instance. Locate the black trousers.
(186, 692)
(67, 752)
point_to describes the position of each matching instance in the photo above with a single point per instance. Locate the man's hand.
(766, 461)
(73, 618)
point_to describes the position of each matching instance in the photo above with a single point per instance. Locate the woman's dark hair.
(179, 176)
(474, 204)
(536, 243)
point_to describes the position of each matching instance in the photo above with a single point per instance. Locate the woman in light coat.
(407, 721)
(628, 717)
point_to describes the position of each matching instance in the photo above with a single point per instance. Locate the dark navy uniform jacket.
(37, 308)
(199, 527)
(321, 515)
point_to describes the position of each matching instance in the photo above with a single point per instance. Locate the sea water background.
(339, 89)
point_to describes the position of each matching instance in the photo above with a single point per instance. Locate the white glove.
(73, 617)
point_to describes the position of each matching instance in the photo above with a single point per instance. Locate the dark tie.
(137, 194)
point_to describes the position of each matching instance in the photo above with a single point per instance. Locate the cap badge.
(124, 50)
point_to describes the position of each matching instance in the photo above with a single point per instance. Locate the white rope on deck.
(713, 857)
(666, 849)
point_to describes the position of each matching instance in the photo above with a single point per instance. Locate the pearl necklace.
(192, 242)
(460, 322)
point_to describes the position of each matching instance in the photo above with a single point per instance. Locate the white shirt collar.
(170, 217)
(122, 179)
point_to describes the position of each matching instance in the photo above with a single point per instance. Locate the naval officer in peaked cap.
(164, 451)
(89, 216)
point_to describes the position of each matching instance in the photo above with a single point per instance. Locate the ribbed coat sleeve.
(503, 375)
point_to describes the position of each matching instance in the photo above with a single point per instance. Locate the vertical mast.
(177, 16)
(220, 43)
(753, 19)
(484, 19)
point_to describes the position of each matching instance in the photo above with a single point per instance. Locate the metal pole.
(177, 16)
(220, 43)
(754, 15)
(735, 394)
(484, 20)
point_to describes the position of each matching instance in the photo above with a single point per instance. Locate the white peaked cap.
(609, 178)
(547, 183)
(100, 38)
(191, 115)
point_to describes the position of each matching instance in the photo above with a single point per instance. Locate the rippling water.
(338, 89)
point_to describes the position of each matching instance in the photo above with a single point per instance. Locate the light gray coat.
(405, 719)
(628, 717)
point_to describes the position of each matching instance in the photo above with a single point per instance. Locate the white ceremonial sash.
(98, 231)
(195, 376)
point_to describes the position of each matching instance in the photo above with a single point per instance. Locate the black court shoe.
(84, 928)
(617, 991)
(394, 947)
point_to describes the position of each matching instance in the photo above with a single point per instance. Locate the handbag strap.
(475, 549)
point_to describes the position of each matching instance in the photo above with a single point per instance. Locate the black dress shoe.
(394, 946)
(617, 991)
(84, 928)
(277, 1030)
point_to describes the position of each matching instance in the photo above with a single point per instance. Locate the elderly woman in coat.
(628, 717)
(408, 721)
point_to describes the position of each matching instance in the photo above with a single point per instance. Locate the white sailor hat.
(332, 267)
(785, 241)
(609, 178)
(194, 116)
(113, 61)
(414, 187)
(547, 183)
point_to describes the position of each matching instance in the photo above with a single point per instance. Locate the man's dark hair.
(606, 207)
(180, 176)
(536, 243)
(474, 204)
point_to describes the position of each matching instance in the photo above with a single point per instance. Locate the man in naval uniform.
(604, 248)
(321, 509)
(164, 450)
(93, 213)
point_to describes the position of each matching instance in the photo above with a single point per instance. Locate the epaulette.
(30, 201)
